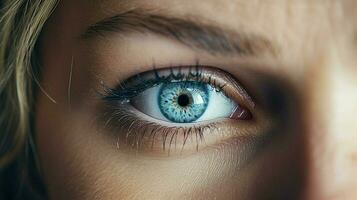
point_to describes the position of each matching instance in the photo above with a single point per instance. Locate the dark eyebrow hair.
(192, 33)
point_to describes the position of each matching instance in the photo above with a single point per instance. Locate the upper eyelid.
(122, 91)
(194, 72)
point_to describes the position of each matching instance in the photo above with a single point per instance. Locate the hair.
(21, 23)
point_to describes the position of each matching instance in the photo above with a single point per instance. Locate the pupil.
(183, 100)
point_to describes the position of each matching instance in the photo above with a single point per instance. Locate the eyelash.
(125, 93)
(120, 118)
(137, 129)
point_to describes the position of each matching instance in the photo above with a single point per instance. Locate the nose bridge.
(331, 131)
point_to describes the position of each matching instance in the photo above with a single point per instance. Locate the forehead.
(229, 11)
(284, 19)
(235, 10)
(301, 28)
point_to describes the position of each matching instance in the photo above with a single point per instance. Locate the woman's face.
(229, 99)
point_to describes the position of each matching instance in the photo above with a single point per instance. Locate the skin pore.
(299, 72)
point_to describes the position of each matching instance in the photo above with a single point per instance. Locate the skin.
(313, 157)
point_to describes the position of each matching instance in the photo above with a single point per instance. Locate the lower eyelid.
(135, 133)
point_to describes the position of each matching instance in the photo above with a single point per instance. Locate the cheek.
(80, 162)
(76, 160)
(57, 140)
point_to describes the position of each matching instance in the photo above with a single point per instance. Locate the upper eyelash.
(125, 93)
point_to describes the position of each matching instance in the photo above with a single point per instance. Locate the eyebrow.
(192, 33)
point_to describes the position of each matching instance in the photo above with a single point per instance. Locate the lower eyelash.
(140, 132)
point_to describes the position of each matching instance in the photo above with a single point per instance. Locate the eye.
(160, 109)
(184, 102)
(184, 95)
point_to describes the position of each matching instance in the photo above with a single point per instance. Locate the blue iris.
(183, 102)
